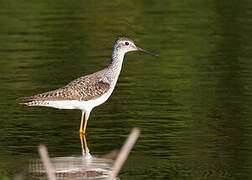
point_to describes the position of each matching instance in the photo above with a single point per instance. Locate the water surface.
(192, 102)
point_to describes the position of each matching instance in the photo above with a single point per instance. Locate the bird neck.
(116, 60)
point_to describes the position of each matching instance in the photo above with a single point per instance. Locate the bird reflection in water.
(84, 147)
(80, 167)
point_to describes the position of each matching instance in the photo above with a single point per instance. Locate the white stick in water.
(124, 153)
(46, 162)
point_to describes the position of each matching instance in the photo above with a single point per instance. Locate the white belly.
(76, 104)
(85, 106)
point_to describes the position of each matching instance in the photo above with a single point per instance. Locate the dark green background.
(192, 102)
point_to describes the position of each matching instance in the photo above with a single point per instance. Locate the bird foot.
(82, 133)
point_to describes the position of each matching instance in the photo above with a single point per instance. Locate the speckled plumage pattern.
(89, 91)
(85, 88)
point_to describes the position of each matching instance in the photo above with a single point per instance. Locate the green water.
(192, 102)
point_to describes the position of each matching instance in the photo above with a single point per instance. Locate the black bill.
(145, 51)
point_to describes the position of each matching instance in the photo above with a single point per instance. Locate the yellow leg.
(85, 126)
(82, 147)
(83, 130)
(81, 125)
(85, 143)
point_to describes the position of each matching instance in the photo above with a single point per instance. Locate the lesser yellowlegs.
(88, 91)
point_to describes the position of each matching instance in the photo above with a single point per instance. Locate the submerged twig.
(46, 162)
(121, 158)
(124, 152)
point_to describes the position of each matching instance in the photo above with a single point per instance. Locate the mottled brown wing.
(56, 95)
(79, 89)
(89, 89)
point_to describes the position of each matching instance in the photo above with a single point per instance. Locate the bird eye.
(126, 43)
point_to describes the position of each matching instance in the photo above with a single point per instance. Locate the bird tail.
(26, 100)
